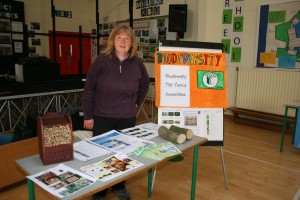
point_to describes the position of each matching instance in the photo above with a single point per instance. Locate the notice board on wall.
(149, 32)
(190, 81)
(278, 43)
(13, 44)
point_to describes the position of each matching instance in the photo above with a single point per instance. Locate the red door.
(68, 52)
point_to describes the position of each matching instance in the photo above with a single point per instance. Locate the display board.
(279, 35)
(191, 87)
(13, 44)
(149, 32)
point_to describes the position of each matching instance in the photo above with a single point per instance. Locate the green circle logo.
(210, 79)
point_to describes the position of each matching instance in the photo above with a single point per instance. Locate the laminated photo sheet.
(204, 122)
(146, 131)
(111, 167)
(85, 151)
(157, 151)
(62, 180)
(118, 142)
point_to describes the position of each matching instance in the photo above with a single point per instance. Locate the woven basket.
(55, 138)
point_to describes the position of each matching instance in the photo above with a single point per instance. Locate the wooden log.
(178, 138)
(188, 132)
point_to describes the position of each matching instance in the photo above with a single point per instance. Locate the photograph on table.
(111, 167)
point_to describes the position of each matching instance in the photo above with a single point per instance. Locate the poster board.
(13, 44)
(191, 87)
(149, 32)
(278, 35)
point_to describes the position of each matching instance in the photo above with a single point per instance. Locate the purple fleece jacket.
(113, 89)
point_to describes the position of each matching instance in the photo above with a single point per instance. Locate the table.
(33, 164)
(294, 105)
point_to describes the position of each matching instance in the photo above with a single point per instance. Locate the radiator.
(267, 90)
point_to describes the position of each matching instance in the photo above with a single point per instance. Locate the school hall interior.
(51, 45)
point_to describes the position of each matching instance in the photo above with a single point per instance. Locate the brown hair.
(121, 28)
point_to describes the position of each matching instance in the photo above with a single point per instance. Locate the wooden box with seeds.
(55, 138)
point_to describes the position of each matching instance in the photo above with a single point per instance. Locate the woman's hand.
(88, 124)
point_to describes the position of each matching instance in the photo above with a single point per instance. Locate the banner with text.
(190, 79)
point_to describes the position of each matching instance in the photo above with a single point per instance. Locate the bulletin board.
(279, 35)
(190, 81)
(149, 32)
(13, 42)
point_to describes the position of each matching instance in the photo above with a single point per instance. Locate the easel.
(195, 47)
(224, 168)
(219, 143)
(223, 165)
(221, 151)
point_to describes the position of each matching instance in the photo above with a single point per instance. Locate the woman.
(116, 84)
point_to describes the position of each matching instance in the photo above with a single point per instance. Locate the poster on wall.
(106, 28)
(104, 31)
(5, 49)
(17, 26)
(5, 38)
(278, 43)
(5, 25)
(18, 47)
(11, 34)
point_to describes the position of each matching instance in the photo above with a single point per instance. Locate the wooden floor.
(255, 170)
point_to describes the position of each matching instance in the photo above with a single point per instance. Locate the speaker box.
(37, 72)
(177, 18)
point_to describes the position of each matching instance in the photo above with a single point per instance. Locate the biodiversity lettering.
(171, 58)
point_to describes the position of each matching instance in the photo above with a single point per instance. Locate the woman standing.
(116, 84)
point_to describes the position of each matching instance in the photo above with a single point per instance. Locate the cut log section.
(188, 132)
(172, 136)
